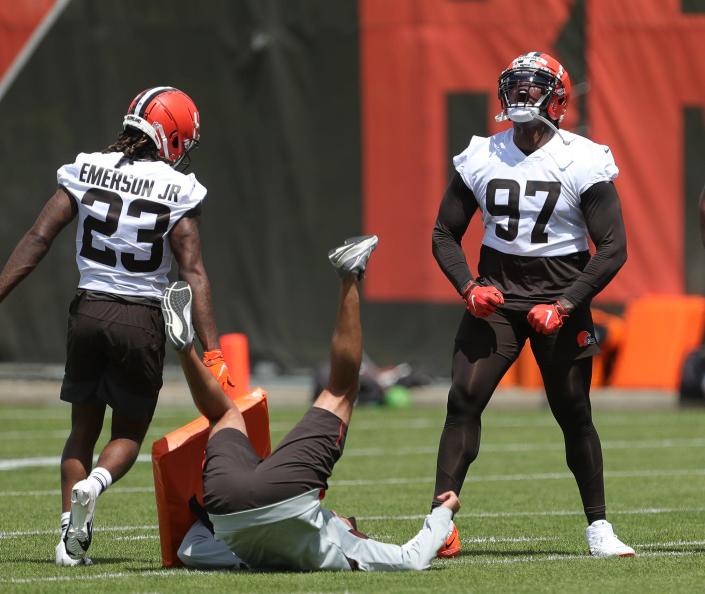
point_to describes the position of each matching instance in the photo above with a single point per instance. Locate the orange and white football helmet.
(170, 118)
(534, 84)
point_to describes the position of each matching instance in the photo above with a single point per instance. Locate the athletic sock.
(64, 522)
(101, 479)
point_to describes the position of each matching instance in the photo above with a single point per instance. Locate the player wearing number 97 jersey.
(542, 194)
(134, 209)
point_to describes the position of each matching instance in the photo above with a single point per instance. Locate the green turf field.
(521, 524)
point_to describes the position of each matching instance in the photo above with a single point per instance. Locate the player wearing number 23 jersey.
(542, 193)
(134, 209)
(125, 214)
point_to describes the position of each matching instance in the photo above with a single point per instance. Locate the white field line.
(62, 412)
(487, 424)
(533, 447)
(525, 514)
(416, 517)
(674, 543)
(520, 539)
(180, 573)
(153, 434)
(22, 533)
(20, 463)
(541, 476)
(500, 539)
(56, 492)
(74, 577)
(424, 422)
(567, 557)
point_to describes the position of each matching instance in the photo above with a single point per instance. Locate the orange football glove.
(215, 362)
(547, 319)
(482, 301)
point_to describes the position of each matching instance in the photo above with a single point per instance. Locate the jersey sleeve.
(67, 175)
(601, 167)
(463, 161)
(191, 198)
(197, 191)
(416, 554)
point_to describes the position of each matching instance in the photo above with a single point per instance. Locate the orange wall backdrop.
(18, 19)
(645, 63)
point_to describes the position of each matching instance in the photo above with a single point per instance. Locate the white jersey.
(124, 216)
(298, 534)
(531, 204)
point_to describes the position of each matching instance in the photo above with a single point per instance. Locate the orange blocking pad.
(659, 332)
(177, 462)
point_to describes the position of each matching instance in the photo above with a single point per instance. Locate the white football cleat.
(352, 256)
(63, 559)
(603, 542)
(176, 307)
(80, 531)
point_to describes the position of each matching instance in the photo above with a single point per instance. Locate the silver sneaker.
(351, 257)
(603, 542)
(176, 307)
(79, 534)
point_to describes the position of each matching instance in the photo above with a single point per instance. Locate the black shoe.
(351, 257)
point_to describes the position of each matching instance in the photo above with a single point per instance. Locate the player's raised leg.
(207, 394)
(350, 261)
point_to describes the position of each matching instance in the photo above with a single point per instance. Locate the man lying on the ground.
(266, 513)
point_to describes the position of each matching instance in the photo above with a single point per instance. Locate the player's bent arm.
(201, 550)
(58, 212)
(603, 217)
(457, 208)
(185, 240)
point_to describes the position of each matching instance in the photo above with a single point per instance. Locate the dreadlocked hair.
(134, 145)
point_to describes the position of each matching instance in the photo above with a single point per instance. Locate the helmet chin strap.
(527, 114)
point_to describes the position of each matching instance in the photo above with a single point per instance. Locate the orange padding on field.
(659, 331)
(177, 462)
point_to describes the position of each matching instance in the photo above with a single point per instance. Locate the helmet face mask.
(170, 118)
(534, 84)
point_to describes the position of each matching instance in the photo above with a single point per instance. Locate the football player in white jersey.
(542, 193)
(133, 208)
